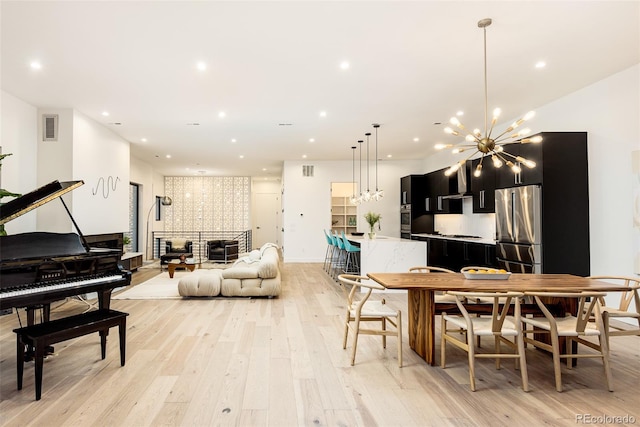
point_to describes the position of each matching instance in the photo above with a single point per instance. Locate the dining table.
(422, 287)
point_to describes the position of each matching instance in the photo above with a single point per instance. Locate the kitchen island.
(389, 254)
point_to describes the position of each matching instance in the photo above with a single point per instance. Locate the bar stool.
(328, 256)
(352, 252)
(341, 258)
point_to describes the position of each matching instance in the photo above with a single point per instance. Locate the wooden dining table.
(422, 287)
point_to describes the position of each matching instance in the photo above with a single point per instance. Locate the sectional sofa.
(254, 274)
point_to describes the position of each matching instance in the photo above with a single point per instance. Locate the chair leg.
(346, 330)
(496, 350)
(523, 363)
(355, 340)
(399, 327)
(555, 345)
(472, 360)
(443, 342)
(569, 346)
(604, 350)
(384, 328)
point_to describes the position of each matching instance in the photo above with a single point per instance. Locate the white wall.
(101, 160)
(307, 203)
(18, 134)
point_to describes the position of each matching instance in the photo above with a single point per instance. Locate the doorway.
(266, 219)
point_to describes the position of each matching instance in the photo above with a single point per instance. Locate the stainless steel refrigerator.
(519, 229)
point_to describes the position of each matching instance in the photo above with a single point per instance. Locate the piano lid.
(35, 198)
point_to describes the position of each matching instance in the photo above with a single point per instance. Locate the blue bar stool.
(328, 256)
(352, 265)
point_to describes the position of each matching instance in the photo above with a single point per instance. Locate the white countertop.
(460, 239)
(358, 239)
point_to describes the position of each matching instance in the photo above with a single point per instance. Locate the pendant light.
(367, 194)
(484, 143)
(379, 193)
(360, 197)
(354, 199)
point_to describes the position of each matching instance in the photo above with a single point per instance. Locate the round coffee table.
(173, 265)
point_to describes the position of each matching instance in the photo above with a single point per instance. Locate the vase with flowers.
(372, 219)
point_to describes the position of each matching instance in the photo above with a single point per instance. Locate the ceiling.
(273, 67)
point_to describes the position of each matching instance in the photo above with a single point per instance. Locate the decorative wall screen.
(207, 203)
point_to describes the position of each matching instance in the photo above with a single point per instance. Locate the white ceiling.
(412, 64)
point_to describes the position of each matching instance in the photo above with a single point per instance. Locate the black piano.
(39, 268)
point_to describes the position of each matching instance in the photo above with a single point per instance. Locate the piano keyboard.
(47, 287)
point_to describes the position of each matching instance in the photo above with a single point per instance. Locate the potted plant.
(126, 240)
(372, 219)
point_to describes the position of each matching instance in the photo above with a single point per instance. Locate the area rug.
(158, 287)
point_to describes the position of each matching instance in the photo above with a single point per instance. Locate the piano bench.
(42, 335)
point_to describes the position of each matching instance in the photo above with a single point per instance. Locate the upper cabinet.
(552, 169)
(439, 187)
(506, 178)
(483, 187)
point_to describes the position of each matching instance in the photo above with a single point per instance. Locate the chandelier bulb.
(529, 115)
(496, 113)
(478, 170)
(470, 138)
(454, 121)
(536, 139)
(497, 163)
(450, 131)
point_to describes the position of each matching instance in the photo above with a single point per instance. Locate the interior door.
(266, 220)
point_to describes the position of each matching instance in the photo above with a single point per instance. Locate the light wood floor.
(280, 362)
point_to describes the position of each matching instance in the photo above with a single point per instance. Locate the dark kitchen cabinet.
(455, 254)
(441, 186)
(506, 178)
(412, 191)
(483, 187)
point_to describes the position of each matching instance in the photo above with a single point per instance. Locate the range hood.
(464, 183)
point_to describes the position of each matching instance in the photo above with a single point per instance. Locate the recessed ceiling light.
(345, 65)
(323, 114)
(304, 156)
(35, 65)
(541, 64)
(416, 139)
(312, 140)
(460, 113)
(144, 140)
(242, 156)
(105, 113)
(264, 169)
(222, 114)
(201, 66)
(389, 156)
(168, 156)
(234, 140)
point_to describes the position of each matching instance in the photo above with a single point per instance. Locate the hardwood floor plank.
(280, 362)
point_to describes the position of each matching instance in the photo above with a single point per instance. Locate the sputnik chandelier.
(485, 143)
(367, 195)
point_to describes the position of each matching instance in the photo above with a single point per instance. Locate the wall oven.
(405, 221)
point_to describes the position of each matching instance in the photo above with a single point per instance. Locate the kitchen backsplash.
(483, 225)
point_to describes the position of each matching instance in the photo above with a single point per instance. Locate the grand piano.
(39, 268)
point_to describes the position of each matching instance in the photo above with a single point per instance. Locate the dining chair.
(440, 297)
(499, 325)
(573, 327)
(624, 309)
(360, 308)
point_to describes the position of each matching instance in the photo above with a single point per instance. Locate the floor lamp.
(164, 201)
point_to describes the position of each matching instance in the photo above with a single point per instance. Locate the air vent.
(307, 170)
(49, 127)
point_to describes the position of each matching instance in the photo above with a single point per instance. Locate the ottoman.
(205, 284)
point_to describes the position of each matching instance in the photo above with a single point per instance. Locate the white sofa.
(254, 274)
